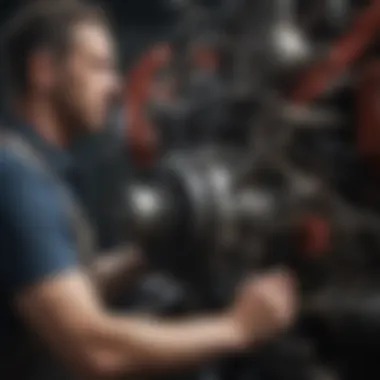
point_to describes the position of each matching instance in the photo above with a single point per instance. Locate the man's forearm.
(142, 345)
(150, 346)
(114, 271)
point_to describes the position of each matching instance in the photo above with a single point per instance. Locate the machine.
(257, 129)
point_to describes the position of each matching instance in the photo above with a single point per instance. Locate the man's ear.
(41, 70)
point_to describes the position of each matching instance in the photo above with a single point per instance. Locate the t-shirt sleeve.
(34, 230)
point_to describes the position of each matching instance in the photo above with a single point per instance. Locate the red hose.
(316, 237)
(342, 54)
(368, 134)
(141, 134)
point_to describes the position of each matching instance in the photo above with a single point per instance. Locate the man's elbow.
(96, 354)
(95, 363)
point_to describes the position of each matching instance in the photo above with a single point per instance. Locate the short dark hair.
(42, 24)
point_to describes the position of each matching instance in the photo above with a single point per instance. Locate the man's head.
(62, 52)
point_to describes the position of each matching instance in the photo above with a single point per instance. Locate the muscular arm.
(59, 303)
(68, 316)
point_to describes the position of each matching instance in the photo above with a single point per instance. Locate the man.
(62, 69)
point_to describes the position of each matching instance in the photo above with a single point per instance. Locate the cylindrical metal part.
(151, 211)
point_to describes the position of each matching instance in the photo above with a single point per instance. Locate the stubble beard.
(69, 113)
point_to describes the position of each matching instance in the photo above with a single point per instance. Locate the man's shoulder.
(14, 162)
(35, 224)
(22, 180)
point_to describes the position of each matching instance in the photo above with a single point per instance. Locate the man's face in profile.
(88, 81)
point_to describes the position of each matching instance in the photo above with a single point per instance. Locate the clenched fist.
(264, 306)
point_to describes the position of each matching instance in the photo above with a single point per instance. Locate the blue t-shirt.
(36, 242)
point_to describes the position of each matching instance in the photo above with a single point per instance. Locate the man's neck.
(45, 121)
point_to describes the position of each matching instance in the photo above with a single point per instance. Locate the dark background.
(138, 23)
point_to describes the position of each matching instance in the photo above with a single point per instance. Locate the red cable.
(141, 134)
(342, 54)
